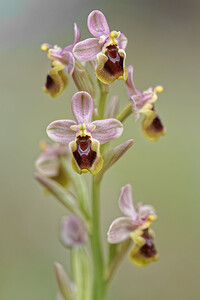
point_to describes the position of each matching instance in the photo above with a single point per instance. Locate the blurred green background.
(164, 47)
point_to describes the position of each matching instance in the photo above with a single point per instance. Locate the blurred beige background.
(164, 47)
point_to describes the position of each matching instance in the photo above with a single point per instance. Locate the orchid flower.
(107, 47)
(143, 103)
(62, 59)
(134, 225)
(83, 136)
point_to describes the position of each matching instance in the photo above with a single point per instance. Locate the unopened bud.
(63, 282)
(72, 232)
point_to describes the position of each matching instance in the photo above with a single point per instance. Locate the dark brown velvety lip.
(114, 65)
(84, 155)
(148, 249)
(157, 124)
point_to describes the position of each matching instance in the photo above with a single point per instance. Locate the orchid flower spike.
(83, 136)
(61, 59)
(134, 225)
(107, 47)
(48, 163)
(143, 103)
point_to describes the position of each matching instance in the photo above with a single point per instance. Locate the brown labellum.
(84, 155)
(157, 125)
(148, 249)
(114, 65)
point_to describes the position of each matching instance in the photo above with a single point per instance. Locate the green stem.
(99, 284)
(79, 186)
(104, 89)
(125, 113)
(98, 260)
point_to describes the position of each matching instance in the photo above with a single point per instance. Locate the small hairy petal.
(59, 131)
(82, 107)
(87, 50)
(107, 130)
(122, 41)
(97, 24)
(126, 202)
(120, 230)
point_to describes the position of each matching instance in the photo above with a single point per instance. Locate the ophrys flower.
(84, 136)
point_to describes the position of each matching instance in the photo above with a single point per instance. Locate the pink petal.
(126, 202)
(129, 82)
(77, 35)
(107, 130)
(68, 60)
(97, 24)
(120, 230)
(82, 107)
(87, 49)
(145, 210)
(135, 107)
(59, 131)
(122, 41)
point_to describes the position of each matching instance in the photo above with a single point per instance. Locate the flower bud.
(72, 232)
(82, 80)
(48, 163)
(65, 286)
